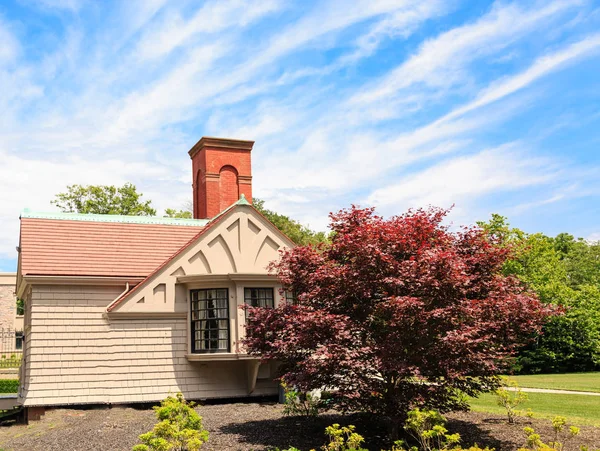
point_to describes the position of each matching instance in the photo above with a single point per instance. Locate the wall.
(8, 307)
(76, 355)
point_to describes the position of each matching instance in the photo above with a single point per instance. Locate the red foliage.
(396, 313)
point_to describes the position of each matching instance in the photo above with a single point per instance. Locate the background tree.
(565, 272)
(395, 314)
(104, 199)
(295, 231)
(172, 213)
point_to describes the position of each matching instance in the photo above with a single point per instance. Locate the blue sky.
(490, 106)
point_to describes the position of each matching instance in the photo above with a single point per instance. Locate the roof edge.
(122, 219)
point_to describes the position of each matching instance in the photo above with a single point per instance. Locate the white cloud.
(212, 17)
(460, 180)
(541, 67)
(440, 61)
(594, 237)
(10, 47)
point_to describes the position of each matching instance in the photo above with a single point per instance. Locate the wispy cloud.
(459, 180)
(441, 61)
(10, 47)
(174, 30)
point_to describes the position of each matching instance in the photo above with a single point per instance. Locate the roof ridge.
(125, 219)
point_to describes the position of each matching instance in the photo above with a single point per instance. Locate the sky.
(486, 106)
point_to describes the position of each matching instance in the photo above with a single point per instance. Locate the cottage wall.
(76, 355)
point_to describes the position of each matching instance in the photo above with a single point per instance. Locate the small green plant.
(427, 427)
(561, 435)
(343, 439)
(179, 429)
(510, 396)
(300, 404)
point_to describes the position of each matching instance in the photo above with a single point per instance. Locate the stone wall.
(8, 307)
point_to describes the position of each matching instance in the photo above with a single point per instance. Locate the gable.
(241, 241)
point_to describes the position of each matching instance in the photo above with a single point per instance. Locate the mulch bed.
(251, 426)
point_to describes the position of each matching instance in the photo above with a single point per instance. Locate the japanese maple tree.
(396, 313)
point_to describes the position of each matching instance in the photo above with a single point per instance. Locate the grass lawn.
(579, 409)
(573, 381)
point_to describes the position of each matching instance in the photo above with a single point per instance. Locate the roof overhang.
(246, 277)
(28, 280)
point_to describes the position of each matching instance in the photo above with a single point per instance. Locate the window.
(290, 298)
(259, 297)
(19, 340)
(210, 320)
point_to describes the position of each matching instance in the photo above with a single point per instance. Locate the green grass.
(573, 381)
(579, 409)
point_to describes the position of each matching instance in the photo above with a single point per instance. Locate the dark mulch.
(250, 426)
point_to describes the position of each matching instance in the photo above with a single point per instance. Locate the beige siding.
(75, 355)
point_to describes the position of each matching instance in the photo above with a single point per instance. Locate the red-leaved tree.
(395, 314)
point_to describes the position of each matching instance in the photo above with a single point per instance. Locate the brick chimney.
(222, 173)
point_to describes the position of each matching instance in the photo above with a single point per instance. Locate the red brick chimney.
(222, 173)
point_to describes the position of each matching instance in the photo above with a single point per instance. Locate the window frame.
(193, 322)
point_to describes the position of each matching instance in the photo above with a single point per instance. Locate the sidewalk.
(558, 392)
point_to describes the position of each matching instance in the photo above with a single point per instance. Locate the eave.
(76, 280)
(245, 277)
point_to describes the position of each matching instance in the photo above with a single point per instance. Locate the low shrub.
(562, 434)
(510, 396)
(180, 428)
(302, 404)
(425, 426)
(9, 385)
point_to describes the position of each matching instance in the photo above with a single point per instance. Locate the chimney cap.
(220, 143)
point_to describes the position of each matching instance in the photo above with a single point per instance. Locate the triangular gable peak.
(240, 241)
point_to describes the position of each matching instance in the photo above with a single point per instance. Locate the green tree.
(298, 233)
(563, 271)
(104, 199)
(183, 214)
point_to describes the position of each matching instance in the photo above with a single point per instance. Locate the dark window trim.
(193, 330)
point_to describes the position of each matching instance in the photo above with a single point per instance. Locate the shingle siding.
(75, 355)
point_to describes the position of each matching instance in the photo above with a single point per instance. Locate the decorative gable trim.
(237, 245)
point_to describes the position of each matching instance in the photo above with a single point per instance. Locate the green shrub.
(301, 404)
(510, 396)
(180, 428)
(343, 439)
(561, 436)
(426, 427)
(9, 385)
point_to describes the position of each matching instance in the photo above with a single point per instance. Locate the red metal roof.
(92, 247)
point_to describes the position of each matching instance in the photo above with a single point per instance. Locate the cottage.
(123, 309)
